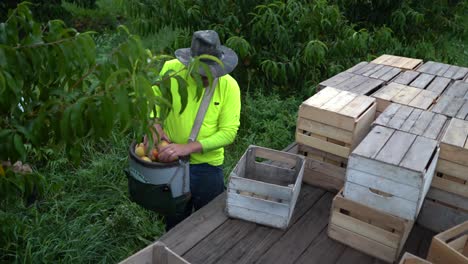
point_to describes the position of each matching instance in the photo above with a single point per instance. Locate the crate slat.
(409, 258)
(442, 251)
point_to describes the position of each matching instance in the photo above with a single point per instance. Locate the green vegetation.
(79, 211)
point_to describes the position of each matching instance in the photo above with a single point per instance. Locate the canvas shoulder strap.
(202, 111)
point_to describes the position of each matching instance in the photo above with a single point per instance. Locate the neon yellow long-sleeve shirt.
(221, 121)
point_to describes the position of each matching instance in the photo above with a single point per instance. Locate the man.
(219, 126)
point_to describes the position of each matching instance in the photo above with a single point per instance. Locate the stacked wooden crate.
(388, 174)
(447, 201)
(330, 125)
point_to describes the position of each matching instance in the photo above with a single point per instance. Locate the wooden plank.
(323, 145)
(440, 252)
(420, 154)
(321, 97)
(457, 89)
(400, 117)
(409, 258)
(390, 74)
(442, 103)
(351, 83)
(411, 63)
(275, 155)
(352, 256)
(396, 148)
(365, 179)
(454, 106)
(357, 66)
(423, 122)
(363, 125)
(339, 101)
(365, 229)
(368, 87)
(463, 112)
(452, 70)
(260, 188)
(357, 106)
(406, 95)
(375, 69)
(381, 58)
(438, 85)
(259, 240)
(288, 248)
(387, 115)
(409, 122)
(457, 133)
(426, 66)
(424, 100)
(453, 169)
(450, 186)
(366, 68)
(406, 77)
(380, 72)
(218, 242)
(422, 80)
(361, 243)
(322, 250)
(324, 175)
(273, 208)
(373, 142)
(460, 74)
(325, 130)
(392, 172)
(394, 205)
(184, 236)
(448, 199)
(435, 128)
(337, 79)
(256, 216)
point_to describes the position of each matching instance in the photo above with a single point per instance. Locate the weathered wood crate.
(263, 192)
(368, 230)
(447, 200)
(414, 121)
(441, 69)
(409, 258)
(391, 171)
(451, 106)
(450, 246)
(322, 169)
(156, 253)
(398, 61)
(405, 95)
(334, 121)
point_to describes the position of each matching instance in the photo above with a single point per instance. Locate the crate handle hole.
(380, 193)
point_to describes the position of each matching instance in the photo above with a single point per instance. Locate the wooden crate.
(322, 169)
(450, 246)
(262, 192)
(397, 61)
(441, 69)
(442, 210)
(413, 120)
(391, 171)
(156, 253)
(409, 258)
(405, 95)
(436, 84)
(334, 121)
(368, 230)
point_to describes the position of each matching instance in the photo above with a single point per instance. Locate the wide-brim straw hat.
(207, 42)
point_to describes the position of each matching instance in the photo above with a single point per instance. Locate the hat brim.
(229, 60)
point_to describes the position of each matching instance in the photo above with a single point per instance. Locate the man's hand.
(172, 152)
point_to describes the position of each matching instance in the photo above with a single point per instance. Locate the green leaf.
(19, 146)
(183, 92)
